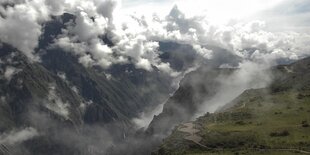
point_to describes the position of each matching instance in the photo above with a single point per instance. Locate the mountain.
(62, 106)
(271, 120)
(195, 88)
(180, 57)
(59, 106)
(121, 97)
(72, 95)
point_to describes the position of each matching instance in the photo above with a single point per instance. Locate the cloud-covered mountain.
(86, 77)
(136, 39)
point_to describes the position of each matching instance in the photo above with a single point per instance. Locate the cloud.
(248, 75)
(10, 71)
(18, 136)
(83, 39)
(86, 28)
(32, 14)
(205, 53)
(136, 38)
(143, 53)
(248, 40)
(107, 7)
(84, 139)
(251, 41)
(56, 104)
(20, 25)
(146, 117)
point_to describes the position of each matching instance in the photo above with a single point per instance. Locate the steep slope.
(121, 92)
(28, 89)
(273, 120)
(63, 106)
(26, 83)
(196, 87)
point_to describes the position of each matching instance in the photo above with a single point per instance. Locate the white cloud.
(85, 28)
(250, 40)
(248, 75)
(56, 104)
(18, 136)
(62, 76)
(10, 71)
(145, 118)
(144, 64)
(20, 26)
(106, 8)
(136, 37)
(205, 53)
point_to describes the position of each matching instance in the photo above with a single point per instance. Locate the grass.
(256, 121)
(246, 152)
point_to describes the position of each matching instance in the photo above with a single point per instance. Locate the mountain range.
(57, 105)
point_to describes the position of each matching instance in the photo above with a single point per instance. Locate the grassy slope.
(246, 127)
(262, 121)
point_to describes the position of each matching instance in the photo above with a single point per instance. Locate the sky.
(284, 15)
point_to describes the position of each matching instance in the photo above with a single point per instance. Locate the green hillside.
(273, 120)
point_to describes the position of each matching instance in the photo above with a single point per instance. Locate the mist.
(248, 75)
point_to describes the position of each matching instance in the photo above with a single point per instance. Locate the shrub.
(240, 123)
(278, 113)
(279, 134)
(304, 124)
(300, 96)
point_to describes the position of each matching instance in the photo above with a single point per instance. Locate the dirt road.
(191, 131)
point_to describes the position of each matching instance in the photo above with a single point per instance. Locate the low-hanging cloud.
(18, 136)
(248, 75)
(56, 105)
(10, 71)
(20, 25)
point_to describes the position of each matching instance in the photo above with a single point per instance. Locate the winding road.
(191, 131)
